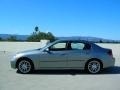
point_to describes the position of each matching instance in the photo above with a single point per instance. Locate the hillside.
(93, 39)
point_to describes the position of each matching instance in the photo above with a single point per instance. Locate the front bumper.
(13, 64)
(14, 60)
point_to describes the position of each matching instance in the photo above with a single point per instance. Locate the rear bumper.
(113, 61)
(109, 63)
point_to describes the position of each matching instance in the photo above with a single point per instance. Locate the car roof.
(74, 40)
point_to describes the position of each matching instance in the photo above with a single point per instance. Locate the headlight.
(16, 56)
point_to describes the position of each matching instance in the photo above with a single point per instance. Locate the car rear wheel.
(93, 67)
(25, 66)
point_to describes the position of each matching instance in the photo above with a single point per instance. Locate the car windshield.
(47, 44)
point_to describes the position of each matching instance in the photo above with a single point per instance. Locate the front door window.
(58, 47)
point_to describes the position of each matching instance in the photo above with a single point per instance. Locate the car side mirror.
(47, 50)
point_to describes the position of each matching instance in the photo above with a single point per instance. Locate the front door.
(55, 57)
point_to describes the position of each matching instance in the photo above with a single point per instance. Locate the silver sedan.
(65, 54)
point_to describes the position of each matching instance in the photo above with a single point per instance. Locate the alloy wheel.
(94, 67)
(24, 66)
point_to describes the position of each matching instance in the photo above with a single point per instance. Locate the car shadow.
(111, 70)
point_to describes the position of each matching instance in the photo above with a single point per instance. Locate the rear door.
(78, 54)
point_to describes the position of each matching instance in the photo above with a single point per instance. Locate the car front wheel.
(25, 66)
(93, 67)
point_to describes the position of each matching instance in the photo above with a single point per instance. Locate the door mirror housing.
(47, 50)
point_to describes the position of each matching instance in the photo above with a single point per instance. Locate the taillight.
(110, 53)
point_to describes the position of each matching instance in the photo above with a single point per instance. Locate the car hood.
(30, 51)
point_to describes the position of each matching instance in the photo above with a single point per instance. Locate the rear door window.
(76, 45)
(80, 46)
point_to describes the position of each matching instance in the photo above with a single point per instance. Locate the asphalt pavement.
(109, 79)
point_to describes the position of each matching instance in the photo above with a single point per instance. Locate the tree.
(37, 36)
(1, 39)
(36, 29)
(33, 38)
(101, 41)
(50, 36)
(12, 38)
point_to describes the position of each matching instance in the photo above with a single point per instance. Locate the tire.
(93, 66)
(25, 66)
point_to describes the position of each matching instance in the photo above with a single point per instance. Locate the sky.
(96, 18)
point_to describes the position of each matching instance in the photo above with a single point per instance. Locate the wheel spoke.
(94, 66)
(24, 66)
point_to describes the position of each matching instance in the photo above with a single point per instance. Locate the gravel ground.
(109, 79)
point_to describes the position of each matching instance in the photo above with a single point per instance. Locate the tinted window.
(79, 45)
(58, 46)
